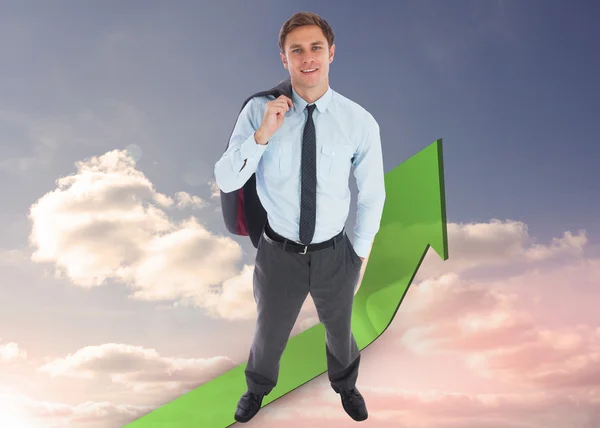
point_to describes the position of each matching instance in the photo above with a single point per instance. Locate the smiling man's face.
(306, 49)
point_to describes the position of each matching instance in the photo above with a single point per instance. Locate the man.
(301, 151)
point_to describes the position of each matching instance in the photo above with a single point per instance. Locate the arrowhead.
(414, 218)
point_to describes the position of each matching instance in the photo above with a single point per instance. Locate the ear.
(283, 60)
(331, 53)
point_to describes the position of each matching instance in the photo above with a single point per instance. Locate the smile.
(309, 70)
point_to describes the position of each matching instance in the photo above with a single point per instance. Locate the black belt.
(288, 245)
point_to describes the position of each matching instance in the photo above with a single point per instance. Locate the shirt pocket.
(277, 159)
(335, 160)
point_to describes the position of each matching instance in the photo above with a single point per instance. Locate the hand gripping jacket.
(243, 212)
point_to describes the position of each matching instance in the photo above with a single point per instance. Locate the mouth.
(309, 70)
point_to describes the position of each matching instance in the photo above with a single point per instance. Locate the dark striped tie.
(308, 194)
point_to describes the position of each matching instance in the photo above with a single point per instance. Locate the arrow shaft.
(413, 218)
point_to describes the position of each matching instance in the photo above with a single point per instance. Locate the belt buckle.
(305, 248)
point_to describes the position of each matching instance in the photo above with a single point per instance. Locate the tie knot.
(311, 108)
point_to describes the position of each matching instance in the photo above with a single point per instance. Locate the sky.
(112, 116)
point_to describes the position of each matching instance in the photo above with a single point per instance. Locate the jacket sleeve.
(243, 153)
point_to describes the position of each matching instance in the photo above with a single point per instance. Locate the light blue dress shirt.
(347, 135)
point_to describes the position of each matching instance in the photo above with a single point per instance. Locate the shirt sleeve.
(241, 158)
(369, 174)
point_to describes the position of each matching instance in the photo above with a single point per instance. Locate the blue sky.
(511, 87)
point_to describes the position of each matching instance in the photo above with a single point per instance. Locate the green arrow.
(414, 218)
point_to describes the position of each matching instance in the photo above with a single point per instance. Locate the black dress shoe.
(248, 406)
(354, 404)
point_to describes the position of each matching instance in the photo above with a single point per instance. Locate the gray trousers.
(282, 281)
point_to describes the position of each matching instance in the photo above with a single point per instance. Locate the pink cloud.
(317, 406)
(569, 358)
(478, 353)
(508, 351)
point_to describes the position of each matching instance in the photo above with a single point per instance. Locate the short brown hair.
(305, 18)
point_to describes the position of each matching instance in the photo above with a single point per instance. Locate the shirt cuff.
(250, 148)
(362, 247)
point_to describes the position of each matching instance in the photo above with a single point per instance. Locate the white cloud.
(20, 411)
(185, 200)
(214, 188)
(569, 244)
(106, 222)
(234, 299)
(497, 243)
(139, 369)
(11, 352)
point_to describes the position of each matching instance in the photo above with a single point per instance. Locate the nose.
(308, 58)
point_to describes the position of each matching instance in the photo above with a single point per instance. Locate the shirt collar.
(322, 103)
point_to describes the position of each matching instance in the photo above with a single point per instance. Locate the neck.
(310, 95)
